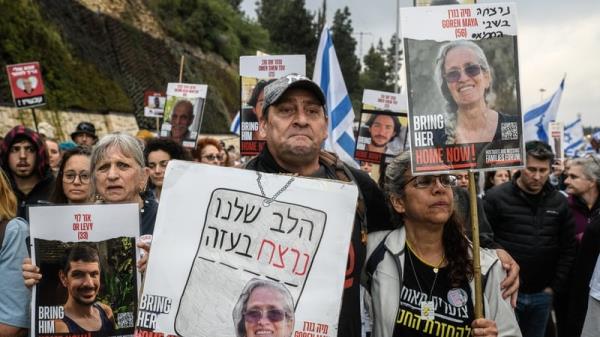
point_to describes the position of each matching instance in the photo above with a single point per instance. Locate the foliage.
(291, 28)
(119, 280)
(376, 71)
(70, 82)
(345, 47)
(212, 25)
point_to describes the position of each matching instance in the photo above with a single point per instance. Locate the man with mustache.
(80, 274)
(25, 160)
(181, 119)
(383, 128)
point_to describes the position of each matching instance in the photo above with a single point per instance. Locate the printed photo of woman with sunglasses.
(465, 79)
(264, 308)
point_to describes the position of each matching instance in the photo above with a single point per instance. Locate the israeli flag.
(235, 124)
(537, 118)
(328, 75)
(574, 138)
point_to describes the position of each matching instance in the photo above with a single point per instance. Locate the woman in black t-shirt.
(422, 282)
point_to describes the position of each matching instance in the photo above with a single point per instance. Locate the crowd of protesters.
(539, 225)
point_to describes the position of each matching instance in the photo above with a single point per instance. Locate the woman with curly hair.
(208, 151)
(423, 279)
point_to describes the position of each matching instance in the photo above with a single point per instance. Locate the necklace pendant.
(428, 310)
(267, 202)
(435, 270)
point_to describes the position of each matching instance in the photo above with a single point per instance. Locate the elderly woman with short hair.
(264, 305)
(118, 176)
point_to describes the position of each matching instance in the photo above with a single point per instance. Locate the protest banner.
(224, 240)
(383, 126)
(154, 103)
(87, 256)
(26, 84)
(183, 112)
(463, 87)
(255, 73)
(442, 2)
(557, 138)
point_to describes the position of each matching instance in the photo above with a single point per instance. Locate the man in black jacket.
(25, 161)
(533, 222)
(294, 125)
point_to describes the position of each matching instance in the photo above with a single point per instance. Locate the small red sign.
(26, 84)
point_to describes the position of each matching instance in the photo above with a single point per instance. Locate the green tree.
(291, 28)
(345, 48)
(375, 72)
(213, 25)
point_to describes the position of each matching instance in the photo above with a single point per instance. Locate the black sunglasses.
(273, 315)
(471, 70)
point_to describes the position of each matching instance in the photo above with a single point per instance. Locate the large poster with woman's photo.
(462, 79)
(87, 258)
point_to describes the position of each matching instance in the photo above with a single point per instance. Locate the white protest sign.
(216, 233)
(97, 242)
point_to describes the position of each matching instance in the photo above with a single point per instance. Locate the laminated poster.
(154, 103)
(557, 140)
(87, 257)
(383, 129)
(238, 252)
(462, 76)
(255, 73)
(26, 84)
(183, 112)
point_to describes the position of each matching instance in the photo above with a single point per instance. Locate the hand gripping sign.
(234, 236)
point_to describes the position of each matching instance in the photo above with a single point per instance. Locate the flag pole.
(476, 245)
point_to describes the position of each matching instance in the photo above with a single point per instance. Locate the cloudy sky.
(555, 38)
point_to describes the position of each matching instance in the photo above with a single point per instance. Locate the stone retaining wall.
(65, 121)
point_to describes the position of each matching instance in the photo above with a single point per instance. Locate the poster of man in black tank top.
(89, 283)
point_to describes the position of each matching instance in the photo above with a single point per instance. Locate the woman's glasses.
(470, 70)
(273, 315)
(446, 180)
(70, 176)
(211, 157)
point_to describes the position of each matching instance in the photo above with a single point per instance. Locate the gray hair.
(127, 144)
(241, 305)
(396, 178)
(440, 64)
(590, 168)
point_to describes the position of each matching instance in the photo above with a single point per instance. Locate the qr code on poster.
(125, 320)
(509, 131)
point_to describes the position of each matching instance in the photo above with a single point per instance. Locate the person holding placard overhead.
(465, 80)
(420, 276)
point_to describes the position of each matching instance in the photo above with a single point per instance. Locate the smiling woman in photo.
(465, 79)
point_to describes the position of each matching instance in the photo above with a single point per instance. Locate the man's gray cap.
(275, 90)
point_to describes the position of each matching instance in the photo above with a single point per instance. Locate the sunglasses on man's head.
(273, 315)
(471, 70)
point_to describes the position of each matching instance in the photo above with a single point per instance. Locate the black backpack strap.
(373, 261)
